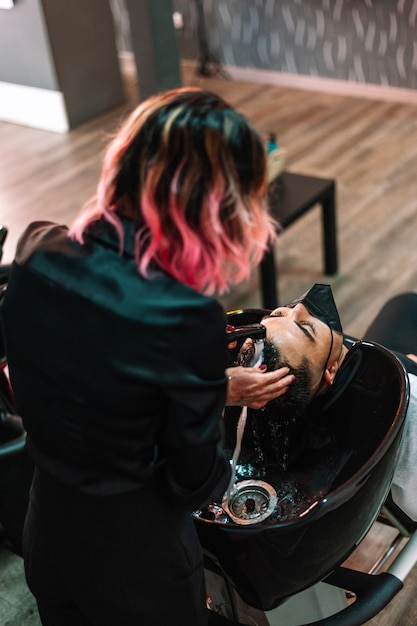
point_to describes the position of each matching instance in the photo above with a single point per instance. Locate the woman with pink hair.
(117, 351)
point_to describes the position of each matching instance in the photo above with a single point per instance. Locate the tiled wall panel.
(370, 41)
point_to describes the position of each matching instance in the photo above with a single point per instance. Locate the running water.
(255, 361)
(239, 435)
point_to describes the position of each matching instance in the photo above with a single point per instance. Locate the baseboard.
(32, 106)
(317, 83)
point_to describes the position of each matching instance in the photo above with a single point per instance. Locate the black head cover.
(320, 303)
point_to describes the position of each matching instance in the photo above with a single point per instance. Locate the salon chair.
(16, 472)
(395, 326)
(265, 566)
(16, 469)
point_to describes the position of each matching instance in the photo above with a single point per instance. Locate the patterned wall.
(372, 41)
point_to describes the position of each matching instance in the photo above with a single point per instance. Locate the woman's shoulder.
(41, 235)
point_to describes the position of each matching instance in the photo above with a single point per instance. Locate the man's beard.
(279, 426)
(294, 402)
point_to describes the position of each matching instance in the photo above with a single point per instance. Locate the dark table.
(290, 197)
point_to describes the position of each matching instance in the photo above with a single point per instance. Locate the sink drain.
(250, 502)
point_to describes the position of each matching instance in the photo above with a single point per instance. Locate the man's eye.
(308, 326)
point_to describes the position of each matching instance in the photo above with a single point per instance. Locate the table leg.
(329, 232)
(269, 281)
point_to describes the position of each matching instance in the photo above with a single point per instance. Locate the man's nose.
(282, 311)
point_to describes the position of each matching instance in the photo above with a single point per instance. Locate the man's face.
(300, 337)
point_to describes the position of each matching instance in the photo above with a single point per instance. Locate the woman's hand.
(413, 357)
(254, 386)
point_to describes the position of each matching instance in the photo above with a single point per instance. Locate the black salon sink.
(344, 482)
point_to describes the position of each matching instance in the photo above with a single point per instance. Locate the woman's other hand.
(254, 386)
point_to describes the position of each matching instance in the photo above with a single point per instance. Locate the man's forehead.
(320, 303)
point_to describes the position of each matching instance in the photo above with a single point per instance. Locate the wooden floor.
(368, 147)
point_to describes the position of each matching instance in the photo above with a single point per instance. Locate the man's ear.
(330, 372)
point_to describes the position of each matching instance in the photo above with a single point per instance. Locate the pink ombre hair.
(191, 173)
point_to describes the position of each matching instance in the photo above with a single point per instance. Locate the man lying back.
(307, 337)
